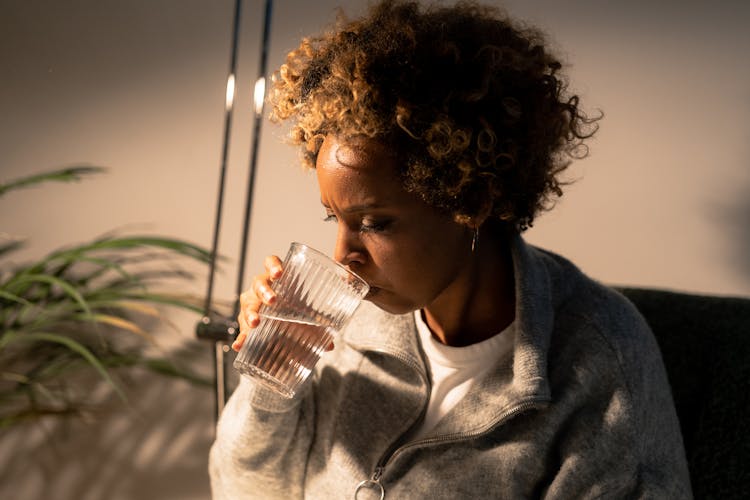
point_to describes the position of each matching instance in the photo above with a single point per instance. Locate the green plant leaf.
(122, 243)
(104, 265)
(118, 322)
(14, 298)
(26, 415)
(71, 344)
(18, 378)
(132, 306)
(181, 301)
(166, 367)
(57, 313)
(11, 246)
(142, 279)
(60, 261)
(70, 290)
(62, 175)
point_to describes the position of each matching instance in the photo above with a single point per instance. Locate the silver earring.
(475, 239)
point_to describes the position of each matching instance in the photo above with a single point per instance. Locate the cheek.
(390, 263)
(404, 270)
(422, 266)
(440, 257)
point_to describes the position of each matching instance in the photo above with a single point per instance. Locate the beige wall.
(138, 86)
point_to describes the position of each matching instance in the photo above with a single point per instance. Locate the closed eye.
(366, 225)
(373, 226)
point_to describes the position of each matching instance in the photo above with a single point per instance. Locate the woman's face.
(410, 254)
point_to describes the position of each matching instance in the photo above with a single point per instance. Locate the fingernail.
(268, 296)
(276, 272)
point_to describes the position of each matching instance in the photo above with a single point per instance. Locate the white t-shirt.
(455, 369)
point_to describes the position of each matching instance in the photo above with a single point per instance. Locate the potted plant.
(83, 315)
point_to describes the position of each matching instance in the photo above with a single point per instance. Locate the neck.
(481, 302)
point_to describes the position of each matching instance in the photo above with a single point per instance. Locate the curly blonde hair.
(473, 104)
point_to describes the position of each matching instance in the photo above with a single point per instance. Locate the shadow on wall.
(741, 220)
(158, 450)
(733, 217)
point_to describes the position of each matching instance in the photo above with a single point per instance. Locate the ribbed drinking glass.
(315, 297)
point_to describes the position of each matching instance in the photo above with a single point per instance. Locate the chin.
(389, 303)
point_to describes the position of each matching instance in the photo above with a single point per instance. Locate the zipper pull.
(372, 483)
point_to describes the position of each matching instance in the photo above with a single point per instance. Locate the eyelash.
(363, 228)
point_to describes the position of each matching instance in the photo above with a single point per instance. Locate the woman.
(479, 367)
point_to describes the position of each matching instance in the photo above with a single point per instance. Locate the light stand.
(212, 326)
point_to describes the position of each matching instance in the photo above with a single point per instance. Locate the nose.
(348, 250)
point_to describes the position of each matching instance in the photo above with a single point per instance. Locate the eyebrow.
(364, 207)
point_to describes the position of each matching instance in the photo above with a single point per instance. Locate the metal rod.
(257, 125)
(212, 327)
(217, 348)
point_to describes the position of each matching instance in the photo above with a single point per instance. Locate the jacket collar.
(534, 317)
(534, 271)
(372, 329)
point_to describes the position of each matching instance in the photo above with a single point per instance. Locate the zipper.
(504, 417)
(374, 481)
(398, 446)
(389, 456)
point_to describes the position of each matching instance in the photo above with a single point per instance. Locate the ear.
(481, 212)
(485, 209)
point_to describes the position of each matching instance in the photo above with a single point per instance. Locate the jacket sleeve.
(605, 456)
(619, 436)
(261, 446)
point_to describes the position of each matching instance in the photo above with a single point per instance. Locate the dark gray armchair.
(705, 343)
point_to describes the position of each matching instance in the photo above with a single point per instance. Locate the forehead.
(357, 169)
(361, 154)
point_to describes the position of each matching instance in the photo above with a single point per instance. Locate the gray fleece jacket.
(580, 408)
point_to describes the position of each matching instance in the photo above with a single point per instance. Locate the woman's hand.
(259, 293)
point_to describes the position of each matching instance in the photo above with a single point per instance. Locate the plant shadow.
(156, 448)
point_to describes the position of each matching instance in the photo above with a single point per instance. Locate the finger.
(246, 319)
(273, 266)
(263, 291)
(249, 307)
(243, 328)
(239, 341)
